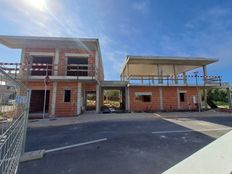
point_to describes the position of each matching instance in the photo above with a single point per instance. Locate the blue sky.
(141, 27)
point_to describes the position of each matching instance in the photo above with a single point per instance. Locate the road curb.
(33, 155)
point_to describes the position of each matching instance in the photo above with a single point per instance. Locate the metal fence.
(14, 104)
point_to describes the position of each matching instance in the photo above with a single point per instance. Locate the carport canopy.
(135, 66)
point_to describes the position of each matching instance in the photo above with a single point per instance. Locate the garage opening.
(37, 101)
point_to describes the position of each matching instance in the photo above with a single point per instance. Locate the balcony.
(38, 71)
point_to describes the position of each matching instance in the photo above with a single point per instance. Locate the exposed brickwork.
(89, 86)
(62, 108)
(188, 104)
(136, 105)
(66, 108)
(170, 100)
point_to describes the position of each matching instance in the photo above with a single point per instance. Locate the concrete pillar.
(229, 98)
(161, 98)
(205, 92)
(185, 78)
(176, 77)
(56, 61)
(54, 89)
(127, 72)
(79, 98)
(204, 74)
(160, 80)
(152, 80)
(178, 98)
(127, 98)
(98, 88)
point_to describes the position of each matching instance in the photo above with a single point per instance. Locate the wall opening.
(90, 103)
(113, 99)
(37, 101)
(77, 66)
(38, 62)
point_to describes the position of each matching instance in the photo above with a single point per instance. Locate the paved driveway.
(136, 143)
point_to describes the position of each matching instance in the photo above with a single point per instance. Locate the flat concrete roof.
(49, 42)
(187, 63)
(177, 60)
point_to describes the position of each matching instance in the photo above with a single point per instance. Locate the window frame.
(139, 97)
(182, 97)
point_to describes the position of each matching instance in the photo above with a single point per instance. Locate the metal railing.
(14, 105)
(179, 79)
(20, 71)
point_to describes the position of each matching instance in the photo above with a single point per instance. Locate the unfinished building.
(66, 78)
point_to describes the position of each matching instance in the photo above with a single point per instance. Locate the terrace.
(169, 71)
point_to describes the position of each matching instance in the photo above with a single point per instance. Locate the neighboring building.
(75, 70)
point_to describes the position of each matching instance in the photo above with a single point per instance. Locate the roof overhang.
(146, 64)
(49, 42)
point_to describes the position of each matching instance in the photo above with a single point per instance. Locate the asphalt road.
(131, 147)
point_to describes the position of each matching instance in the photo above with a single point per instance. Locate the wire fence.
(14, 104)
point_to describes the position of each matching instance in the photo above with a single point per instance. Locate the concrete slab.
(214, 158)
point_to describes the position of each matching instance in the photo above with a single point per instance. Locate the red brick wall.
(188, 103)
(170, 101)
(66, 108)
(169, 98)
(136, 105)
(89, 86)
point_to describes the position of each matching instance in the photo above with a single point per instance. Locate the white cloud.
(142, 6)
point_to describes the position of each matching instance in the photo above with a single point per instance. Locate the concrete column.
(54, 89)
(185, 78)
(205, 98)
(56, 61)
(127, 98)
(98, 88)
(204, 74)
(161, 98)
(229, 98)
(160, 81)
(176, 78)
(152, 80)
(127, 73)
(178, 98)
(79, 98)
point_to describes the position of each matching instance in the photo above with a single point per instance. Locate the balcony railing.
(169, 80)
(23, 71)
